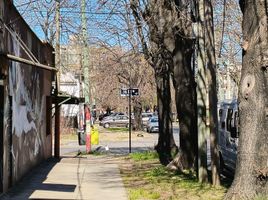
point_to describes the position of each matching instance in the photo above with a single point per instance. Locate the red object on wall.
(87, 128)
(87, 113)
(88, 143)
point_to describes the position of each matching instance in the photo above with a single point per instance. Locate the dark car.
(101, 116)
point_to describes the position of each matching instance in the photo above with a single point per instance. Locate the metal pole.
(57, 45)
(57, 106)
(85, 57)
(85, 63)
(129, 113)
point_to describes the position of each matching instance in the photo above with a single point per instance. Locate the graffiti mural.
(26, 88)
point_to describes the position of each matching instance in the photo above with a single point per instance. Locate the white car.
(152, 125)
(146, 116)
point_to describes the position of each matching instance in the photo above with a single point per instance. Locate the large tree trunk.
(161, 17)
(251, 177)
(184, 83)
(212, 91)
(166, 141)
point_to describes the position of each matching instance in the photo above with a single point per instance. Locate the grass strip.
(145, 178)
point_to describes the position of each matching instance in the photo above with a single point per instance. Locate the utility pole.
(85, 65)
(85, 56)
(202, 97)
(129, 122)
(57, 60)
(129, 110)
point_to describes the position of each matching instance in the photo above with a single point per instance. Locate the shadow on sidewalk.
(34, 180)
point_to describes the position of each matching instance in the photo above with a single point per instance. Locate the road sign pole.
(129, 92)
(129, 113)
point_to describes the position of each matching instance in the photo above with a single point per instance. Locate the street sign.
(133, 91)
(124, 92)
(129, 92)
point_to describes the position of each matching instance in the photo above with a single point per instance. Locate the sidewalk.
(89, 177)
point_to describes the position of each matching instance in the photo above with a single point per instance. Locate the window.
(234, 126)
(220, 113)
(229, 119)
(236, 119)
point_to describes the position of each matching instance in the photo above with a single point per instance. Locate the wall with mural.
(27, 131)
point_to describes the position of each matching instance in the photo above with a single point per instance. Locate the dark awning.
(64, 99)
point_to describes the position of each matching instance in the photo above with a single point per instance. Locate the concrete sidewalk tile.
(73, 178)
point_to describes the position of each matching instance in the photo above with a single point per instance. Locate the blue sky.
(100, 21)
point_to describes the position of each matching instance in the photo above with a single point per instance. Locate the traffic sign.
(125, 92)
(134, 92)
(129, 92)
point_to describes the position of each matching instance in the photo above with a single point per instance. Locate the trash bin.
(94, 135)
(81, 137)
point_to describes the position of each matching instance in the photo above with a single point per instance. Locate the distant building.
(228, 82)
(70, 84)
(71, 78)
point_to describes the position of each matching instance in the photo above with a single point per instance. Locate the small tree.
(133, 70)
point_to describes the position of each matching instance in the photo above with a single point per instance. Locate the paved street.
(147, 142)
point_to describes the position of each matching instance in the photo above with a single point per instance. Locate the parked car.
(145, 117)
(152, 125)
(101, 116)
(228, 134)
(115, 121)
(112, 115)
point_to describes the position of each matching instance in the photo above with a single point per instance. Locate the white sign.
(125, 92)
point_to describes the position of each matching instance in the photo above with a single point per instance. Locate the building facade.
(228, 82)
(27, 71)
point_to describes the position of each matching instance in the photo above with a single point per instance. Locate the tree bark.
(212, 91)
(184, 83)
(157, 17)
(166, 143)
(137, 107)
(251, 177)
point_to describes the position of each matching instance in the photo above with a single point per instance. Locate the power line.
(86, 12)
(26, 4)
